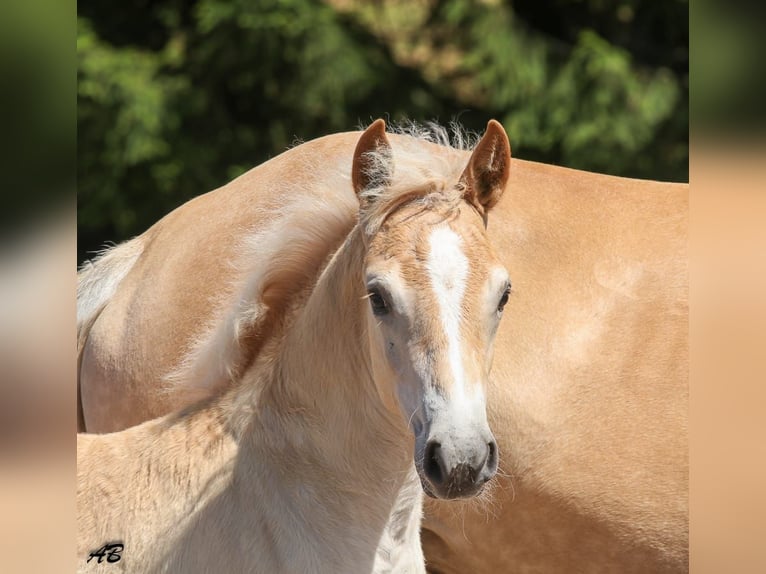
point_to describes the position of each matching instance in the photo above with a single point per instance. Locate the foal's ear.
(487, 172)
(372, 165)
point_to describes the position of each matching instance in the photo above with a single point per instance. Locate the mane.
(415, 173)
(285, 258)
(277, 263)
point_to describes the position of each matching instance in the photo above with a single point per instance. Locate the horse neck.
(318, 431)
(325, 364)
(316, 381)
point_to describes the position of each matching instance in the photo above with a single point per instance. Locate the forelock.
(424, 174)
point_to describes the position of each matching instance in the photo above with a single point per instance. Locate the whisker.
(409, 422)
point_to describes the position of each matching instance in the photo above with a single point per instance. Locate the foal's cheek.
(409, 403)
(407, 387)
(393, 349)
(392, 354)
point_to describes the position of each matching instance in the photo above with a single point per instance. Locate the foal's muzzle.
(453, 472)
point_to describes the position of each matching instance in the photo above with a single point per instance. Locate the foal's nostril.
(491, 463)
(489, 467)
(433, 465)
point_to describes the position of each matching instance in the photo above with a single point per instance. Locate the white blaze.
(448, 270)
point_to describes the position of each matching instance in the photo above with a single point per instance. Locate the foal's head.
(436, 293)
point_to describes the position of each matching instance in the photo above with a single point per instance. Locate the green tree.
(176, 97)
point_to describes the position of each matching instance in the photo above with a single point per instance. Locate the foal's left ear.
(487, 172)
(372, 164)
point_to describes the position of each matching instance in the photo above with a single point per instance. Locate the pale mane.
(283, 259)
(413, 172)
(276, 262)
(99, 278)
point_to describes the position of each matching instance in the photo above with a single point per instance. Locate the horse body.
(588, 395)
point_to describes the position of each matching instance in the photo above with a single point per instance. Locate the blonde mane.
(413, 172)
(293, 250)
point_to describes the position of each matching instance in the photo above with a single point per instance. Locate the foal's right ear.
(372, 166)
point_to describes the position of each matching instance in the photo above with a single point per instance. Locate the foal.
(305, 462)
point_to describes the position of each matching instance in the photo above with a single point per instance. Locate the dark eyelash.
(377, 302)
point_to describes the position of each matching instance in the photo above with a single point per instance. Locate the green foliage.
(585, 105)
(176, 97)
(125, 120)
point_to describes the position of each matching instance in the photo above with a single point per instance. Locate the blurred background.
(170, 99)
(177, 97)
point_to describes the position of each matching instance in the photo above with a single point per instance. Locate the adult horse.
(588, 396)
(304, 461)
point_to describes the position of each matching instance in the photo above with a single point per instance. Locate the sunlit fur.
(99, 278)
(96, 283)
(295, 246)
(588, 396)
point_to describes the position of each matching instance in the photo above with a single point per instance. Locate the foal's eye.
(377, 302)
(504, 299)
